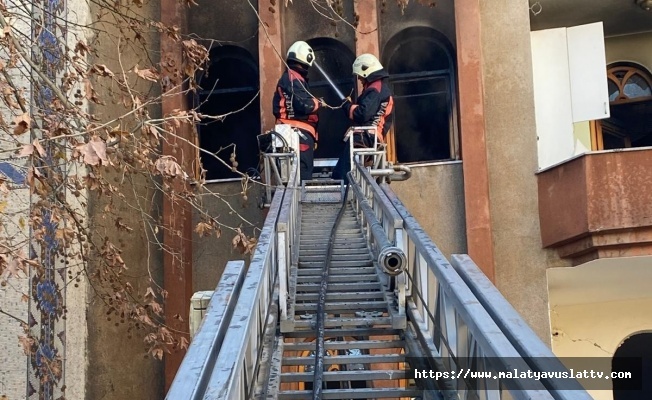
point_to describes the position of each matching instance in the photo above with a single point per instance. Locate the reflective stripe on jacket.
(293, 105)
(375, 106)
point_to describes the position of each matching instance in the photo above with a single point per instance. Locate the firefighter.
(294, 105)
(374, 107)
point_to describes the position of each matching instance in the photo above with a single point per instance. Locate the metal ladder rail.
(452, 324)
(255, 316)
(537, 355)
(192, 377)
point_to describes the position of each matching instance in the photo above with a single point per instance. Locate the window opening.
(230, 85)
(422, 77)
(630, 99)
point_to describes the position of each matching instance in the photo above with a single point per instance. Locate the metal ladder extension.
(364, 355)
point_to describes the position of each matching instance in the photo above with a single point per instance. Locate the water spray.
(330, 81)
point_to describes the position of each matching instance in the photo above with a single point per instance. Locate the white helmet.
(365, 65)
(301, 52)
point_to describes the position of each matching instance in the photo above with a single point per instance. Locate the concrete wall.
(434, 195)
(392, 19)
(225, 23)
(520, 262)
(634, 48)
(301, 21)
(117, 363)
(210, 254)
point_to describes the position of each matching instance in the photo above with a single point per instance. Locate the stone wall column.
(271, 54)
(177, 214)
(473, 134)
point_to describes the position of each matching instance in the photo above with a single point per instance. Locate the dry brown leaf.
(149, 74)
(150, 293)
(27, 343)
(82, 48)
(102, 70)
(22, 124)
(183, 342)
(94, 151)
(203, 229)
(38, 147)
(157, 353)
(27, 150)
(168, 167)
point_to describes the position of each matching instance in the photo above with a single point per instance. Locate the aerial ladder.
(346, 296)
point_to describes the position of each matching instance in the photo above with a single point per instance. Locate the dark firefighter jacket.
(292, 104)
(375, 105)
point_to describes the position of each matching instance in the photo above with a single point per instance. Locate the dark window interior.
(421, 74)
(634, 356)
(630, 95)
(229, 85)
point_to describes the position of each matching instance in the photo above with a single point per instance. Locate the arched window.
(336, 59)
(230, 85)
(627, 82)
(420, 63)
(634, 355)
(630, 99)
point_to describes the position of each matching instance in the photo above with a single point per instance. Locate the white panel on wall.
(588, 72)
(552, 96)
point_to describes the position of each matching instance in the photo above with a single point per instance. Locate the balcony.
(598, 205)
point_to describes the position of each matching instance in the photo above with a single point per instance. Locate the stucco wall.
(210, 253)
(225, 23)
(434, 195)
(634, 48)
(393, 19)
(520, 262)
(118, 368)
(597, 329)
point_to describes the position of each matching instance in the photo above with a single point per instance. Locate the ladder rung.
(338, 243)
(336, 251)
(376, 393)
(352, 263)
(338, 376)
(337, 271)
(341, 296)
(344, 345)
(348, 359)
(359, 305)
(364, 332)
(335, 257)
(338, 322)
(340, 287)
(338, 278)
(326, 233)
